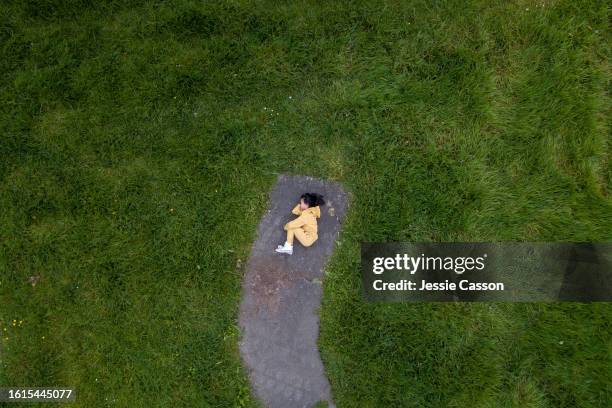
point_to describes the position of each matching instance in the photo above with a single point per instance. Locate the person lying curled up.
(304, 227)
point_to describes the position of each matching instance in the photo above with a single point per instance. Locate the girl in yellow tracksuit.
(304, 227)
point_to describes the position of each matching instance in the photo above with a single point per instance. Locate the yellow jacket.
(307, 219)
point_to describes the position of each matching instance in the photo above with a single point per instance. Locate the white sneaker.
(285, 249)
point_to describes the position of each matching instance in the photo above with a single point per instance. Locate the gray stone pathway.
(281, 295)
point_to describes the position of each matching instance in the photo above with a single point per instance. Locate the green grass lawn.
(139, 140)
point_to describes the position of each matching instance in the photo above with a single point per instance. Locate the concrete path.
(281, 295)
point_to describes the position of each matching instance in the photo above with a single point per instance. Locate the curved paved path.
(281, 295)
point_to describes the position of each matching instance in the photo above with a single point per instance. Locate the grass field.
(139, 141)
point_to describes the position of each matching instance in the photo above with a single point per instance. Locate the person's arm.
(298, 222)
(296, 210)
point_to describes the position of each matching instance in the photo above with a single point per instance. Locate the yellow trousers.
(306, 238)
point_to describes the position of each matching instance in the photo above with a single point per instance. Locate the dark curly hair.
(313, 199)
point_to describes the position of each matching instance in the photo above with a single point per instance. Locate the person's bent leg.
(290, 234)
(287, 247)
(310, 240)
(305, 238)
